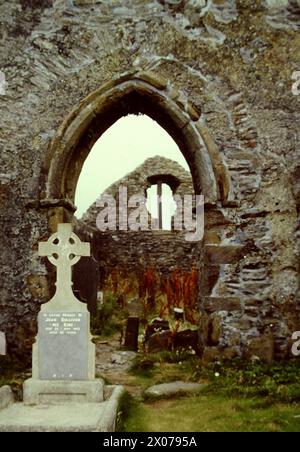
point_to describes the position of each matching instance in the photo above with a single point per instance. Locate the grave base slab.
(69, 417)
(51, 392)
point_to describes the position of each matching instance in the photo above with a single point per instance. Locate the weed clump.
(110, 318)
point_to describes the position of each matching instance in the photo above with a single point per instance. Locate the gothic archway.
(140, 93)
(134, 93)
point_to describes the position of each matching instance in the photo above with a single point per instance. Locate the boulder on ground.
(173, 389)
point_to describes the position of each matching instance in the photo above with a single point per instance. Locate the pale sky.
(123, 147)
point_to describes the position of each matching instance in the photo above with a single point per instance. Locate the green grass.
(211, 413)
(164, 367)
(279, 381)
(240, 397)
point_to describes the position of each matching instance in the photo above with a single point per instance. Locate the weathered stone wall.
(157, 269)
(233, 62)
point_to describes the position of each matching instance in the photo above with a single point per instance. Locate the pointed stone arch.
(136, 93)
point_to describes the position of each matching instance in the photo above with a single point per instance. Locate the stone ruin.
(219, 77)
(158, 268)
(149, 273)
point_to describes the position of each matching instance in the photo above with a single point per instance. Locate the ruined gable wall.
(158, 268)
(234, 61)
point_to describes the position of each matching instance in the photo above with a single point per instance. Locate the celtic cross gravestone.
(63, 365)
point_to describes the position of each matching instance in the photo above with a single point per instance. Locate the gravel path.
(113, 364)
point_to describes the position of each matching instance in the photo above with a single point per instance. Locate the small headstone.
(132, 333)
(2, 343)
(156, 325)
(178, 314)
(6, 397)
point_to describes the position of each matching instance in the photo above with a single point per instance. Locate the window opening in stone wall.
(161, 205)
